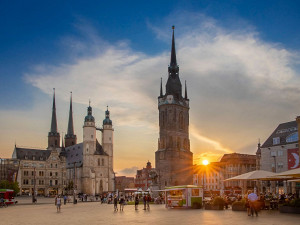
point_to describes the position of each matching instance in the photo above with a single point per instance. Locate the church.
(85, 167)
(173, 159)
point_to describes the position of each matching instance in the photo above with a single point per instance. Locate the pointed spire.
(62, 142)
(53, 121)
(70, 124)
(161, 91)
(173, 61)
(185, 92)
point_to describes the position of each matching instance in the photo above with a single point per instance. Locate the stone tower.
(173, 159)
(53, 135)
(70, 137)
(107, 144)
(89, 148)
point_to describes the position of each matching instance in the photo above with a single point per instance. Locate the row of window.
(39, 165)
(291, 138)
(42, 182)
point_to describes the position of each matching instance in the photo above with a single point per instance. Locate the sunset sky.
(240, 60)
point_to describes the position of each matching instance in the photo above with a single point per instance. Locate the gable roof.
(282, 132)
(32, 154)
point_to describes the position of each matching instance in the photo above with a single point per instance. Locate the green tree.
(5, 184)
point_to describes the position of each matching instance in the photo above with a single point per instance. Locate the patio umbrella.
(253, 175)
(295, 173)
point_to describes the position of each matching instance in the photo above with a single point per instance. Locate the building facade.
(143, 178)
(86, 167)
(212, 176)
(279, 153)
(123, 182)
(173, 159)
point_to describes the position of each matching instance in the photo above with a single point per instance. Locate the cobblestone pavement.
(94, 213)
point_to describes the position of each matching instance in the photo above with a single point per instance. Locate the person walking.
(65, 199)
(136, 202)
(115, 203)
(148, 201)
(252, 198)
(58, 203)
(122, 202)
(145, 201)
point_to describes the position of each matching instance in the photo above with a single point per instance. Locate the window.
(25, 181)
(25, 173)
(280, 165)
(102, 162)
(50, 174)
(280, 153)
(56, 182)
(50, 182)
(273, 153)
(292, 137)
(32, 173)
(56, 173)
(98, 162)
(55, 165)
(276, 140)
(181, 125)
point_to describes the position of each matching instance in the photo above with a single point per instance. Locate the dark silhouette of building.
(173, 159)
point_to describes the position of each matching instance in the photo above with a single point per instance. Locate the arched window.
(181, 123)
(98, 162)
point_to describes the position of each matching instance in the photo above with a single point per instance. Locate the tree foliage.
(5, 184)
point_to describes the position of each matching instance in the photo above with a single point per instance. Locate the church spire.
(185, 91)
(70, 124)
(173, 86)
(161, 91)
(53, 121)
(70, 137)
(173, 61)
(53, 135)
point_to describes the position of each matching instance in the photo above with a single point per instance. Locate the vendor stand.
(184, 196)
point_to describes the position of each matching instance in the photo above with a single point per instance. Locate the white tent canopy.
(295, 173)
(253, 175)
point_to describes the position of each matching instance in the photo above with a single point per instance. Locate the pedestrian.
(58, 203)
(148, 201)
(145, 201)
(252, 198)
(115, 203)
(136, 202)
(122, 202)
(65, 199)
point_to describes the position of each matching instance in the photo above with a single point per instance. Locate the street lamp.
(33, 193)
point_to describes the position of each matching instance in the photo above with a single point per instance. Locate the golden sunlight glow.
(205, 162)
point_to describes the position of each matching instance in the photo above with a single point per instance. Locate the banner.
(293, 158)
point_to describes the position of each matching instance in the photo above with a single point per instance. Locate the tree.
(5, 184)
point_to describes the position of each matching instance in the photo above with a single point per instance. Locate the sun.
(205, 162)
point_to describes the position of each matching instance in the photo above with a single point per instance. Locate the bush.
(239, 203)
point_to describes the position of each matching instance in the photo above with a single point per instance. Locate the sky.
(240, 60)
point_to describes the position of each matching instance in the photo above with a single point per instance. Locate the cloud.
(128, 171)
(240, 86)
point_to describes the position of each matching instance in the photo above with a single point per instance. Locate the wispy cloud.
(127, 171)
(239, 85)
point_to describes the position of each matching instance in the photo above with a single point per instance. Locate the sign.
(293, 158)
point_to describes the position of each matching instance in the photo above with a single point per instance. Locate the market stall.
(184, 196)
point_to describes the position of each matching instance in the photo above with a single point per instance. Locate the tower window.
(98, 162)
(181, 125)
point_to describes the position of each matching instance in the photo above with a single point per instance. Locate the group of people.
(121, 201)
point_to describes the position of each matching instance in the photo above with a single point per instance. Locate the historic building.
(212, 176)
(90, 164)
(143, 178)
(86, 167)
(279, 153)
(173, 159)
(123, 183)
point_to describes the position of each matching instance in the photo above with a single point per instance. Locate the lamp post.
(33, 192)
